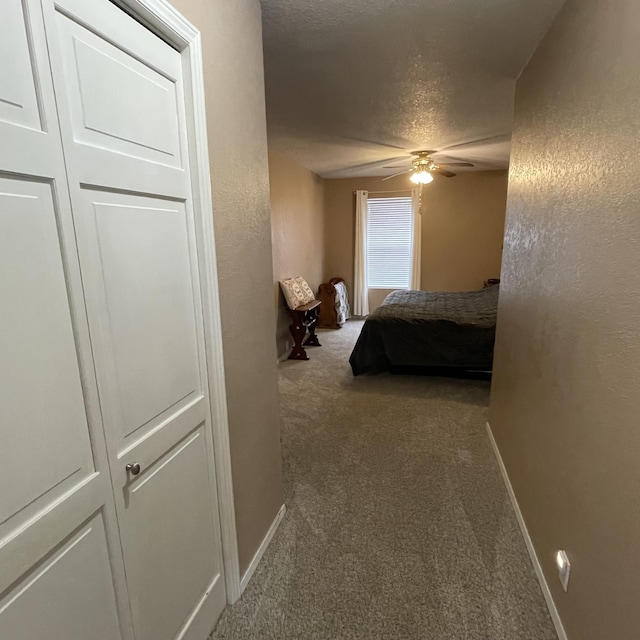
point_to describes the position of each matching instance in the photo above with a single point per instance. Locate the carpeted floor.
(398, 524)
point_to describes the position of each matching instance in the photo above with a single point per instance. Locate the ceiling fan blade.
(348, 172)
(398, 174)
(477, 142)
(398, 166)
(378, 144)
(445, 173)
(455, 164)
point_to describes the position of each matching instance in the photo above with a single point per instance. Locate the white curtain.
(417, 240)
(360, 285)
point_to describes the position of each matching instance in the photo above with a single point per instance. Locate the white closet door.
(123, 119)
(57, 518)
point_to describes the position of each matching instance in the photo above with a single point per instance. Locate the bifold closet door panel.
(46, 443)
(123, 100)
(48, 478)
(124, 130)
(57, 577)
(68, 595)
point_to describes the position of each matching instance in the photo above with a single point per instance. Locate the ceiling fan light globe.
(421, 177)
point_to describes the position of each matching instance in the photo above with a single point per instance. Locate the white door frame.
(164, 20)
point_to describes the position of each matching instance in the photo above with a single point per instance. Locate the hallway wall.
(566, 400)
(236, 123)
(297, 232)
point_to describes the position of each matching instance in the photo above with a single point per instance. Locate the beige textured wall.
(234, 83)
(297, 232)
(462, 227)
(377, 296)
(565, 404)
(463, 230)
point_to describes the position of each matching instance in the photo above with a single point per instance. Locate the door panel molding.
(75, 576)
(19, 103)
(168, 593)
(139, 384)
(43, 532)
(149, 448)
(111, 140)
(42, 385)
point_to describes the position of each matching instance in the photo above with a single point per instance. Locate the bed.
(435, 329)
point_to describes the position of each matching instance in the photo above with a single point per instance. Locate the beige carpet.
(398, 524)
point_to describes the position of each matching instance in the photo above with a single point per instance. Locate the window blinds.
(389, 242)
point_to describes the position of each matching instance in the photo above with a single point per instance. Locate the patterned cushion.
(294, 294)
(306, 289)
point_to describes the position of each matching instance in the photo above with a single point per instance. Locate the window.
(389, 242)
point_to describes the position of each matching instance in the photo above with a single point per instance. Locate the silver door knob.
(133, 468)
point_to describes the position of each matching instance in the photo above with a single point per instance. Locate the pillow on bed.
(294, 294)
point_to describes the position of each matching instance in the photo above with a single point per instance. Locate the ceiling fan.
(423, 166)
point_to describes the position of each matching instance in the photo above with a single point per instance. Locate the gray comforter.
(429, 329)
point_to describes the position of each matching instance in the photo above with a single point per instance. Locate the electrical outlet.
(564, 568)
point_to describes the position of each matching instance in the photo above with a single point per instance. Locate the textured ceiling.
(353, 84)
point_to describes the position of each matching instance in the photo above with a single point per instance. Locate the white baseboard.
(253, 565)
(553, 611)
